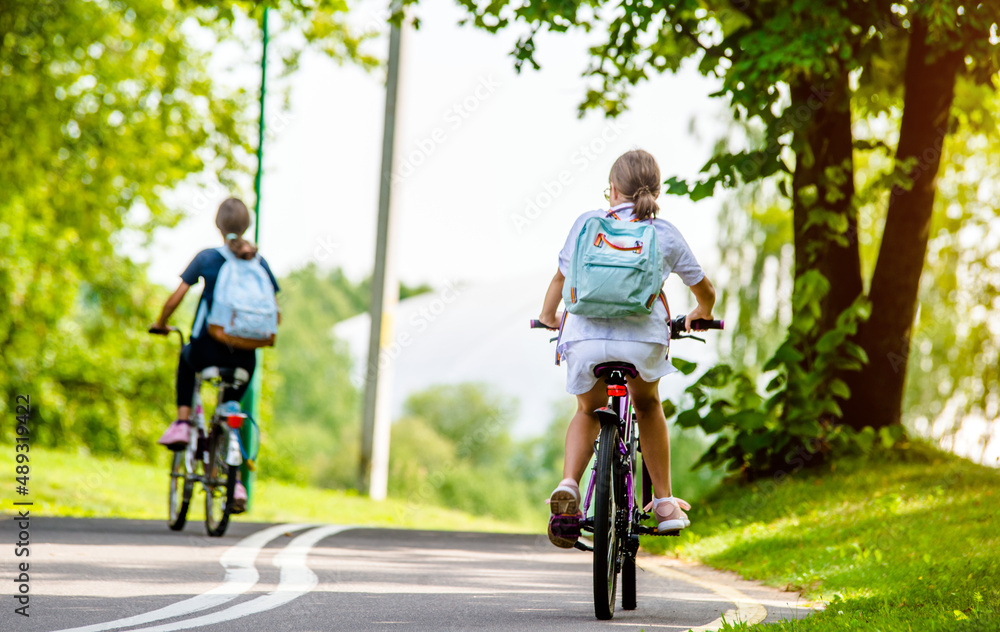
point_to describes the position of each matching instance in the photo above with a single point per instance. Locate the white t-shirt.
(677, 258)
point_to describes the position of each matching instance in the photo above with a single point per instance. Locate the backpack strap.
(559, 336)
(634, 219)
(199, 319)
(663, 299)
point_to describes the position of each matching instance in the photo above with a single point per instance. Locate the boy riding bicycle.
(203, 350)
(641, 340)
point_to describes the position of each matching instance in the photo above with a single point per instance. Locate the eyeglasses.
(607, 194)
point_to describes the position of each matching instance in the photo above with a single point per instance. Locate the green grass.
(78, 484)
(904, 541)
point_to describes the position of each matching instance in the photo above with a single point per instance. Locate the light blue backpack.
(244, 311)
(616, 269)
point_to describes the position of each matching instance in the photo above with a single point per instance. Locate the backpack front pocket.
(614, 279)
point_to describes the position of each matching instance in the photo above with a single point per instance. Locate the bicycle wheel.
(606, 536)
(220, 483)
(179, 498)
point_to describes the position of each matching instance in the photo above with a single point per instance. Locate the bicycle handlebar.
(537, 324)
(698, 324)
(167, 331)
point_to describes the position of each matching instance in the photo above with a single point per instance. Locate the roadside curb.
(754, 602)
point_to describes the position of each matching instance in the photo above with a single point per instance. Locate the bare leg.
(653, 434)
(583, 431)
(184, 412)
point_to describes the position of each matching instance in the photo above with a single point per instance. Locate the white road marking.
(748, 609)
(296, 580)
(241, 576)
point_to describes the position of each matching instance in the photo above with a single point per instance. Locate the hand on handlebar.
(540, 323)
(698, 313)
(161, 330)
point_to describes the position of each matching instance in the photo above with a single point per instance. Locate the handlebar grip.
(537, 324)
(700, 324)
(166, 331)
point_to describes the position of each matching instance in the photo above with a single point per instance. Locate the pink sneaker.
(669, 516)
(239, 499)
(177, 435)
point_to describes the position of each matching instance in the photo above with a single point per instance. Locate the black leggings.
(205, 352)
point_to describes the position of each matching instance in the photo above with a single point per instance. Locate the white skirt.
(582, 356)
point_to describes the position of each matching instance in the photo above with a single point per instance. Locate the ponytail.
(645, 203)
(232, 220)
(240, 247)
(637, 177)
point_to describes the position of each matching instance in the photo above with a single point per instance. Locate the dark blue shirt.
(206, 265)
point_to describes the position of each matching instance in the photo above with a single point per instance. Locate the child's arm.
(171, 304)
(548, 317)
(704, 292)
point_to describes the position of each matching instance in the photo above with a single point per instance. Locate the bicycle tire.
(220, 483)
(179, 496)
(606, 536)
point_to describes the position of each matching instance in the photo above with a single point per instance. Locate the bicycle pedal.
(565, 525)
(672, 532)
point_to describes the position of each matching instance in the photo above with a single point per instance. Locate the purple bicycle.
(616, 519)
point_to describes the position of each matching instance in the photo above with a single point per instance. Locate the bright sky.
(494, 167)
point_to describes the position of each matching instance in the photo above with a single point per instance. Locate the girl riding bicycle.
(641, 340)
(232, 219)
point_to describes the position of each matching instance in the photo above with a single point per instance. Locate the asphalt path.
(93, 575)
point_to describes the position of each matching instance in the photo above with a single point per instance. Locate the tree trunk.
(824, 181)
(929, 85)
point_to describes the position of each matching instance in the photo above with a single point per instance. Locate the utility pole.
(251, 399)
(373, 473)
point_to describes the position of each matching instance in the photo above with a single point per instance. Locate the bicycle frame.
(200, 429)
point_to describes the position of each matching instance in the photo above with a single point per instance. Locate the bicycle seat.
(605, 368)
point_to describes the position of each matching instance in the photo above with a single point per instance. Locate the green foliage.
(796, 420)
(470, 417)
(953, 356)
(104, 107)
(452, 448)
(755, 241)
